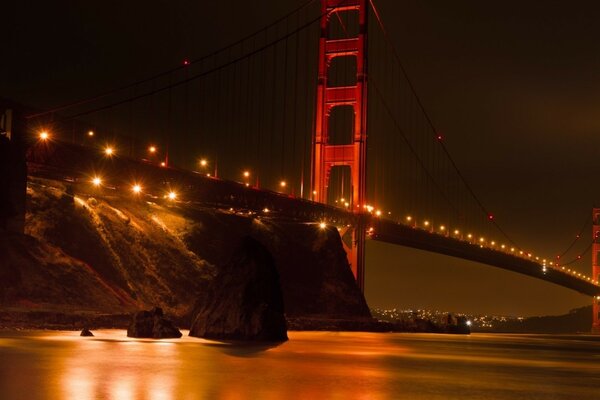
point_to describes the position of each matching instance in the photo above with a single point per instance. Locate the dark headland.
(92, 259)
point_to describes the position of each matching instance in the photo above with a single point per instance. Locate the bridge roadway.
(79, 164)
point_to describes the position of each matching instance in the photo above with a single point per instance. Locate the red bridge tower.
(596, 266)
(353, 154)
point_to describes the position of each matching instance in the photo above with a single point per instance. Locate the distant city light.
(283, 184)
(469, 323)
(408, 218)
(163, 164)
(172, 195)
(90, 133)
(246, 174)
(44, 135)
(136, 188)
(203, 163)
(97, 181)
(322, 225)
(152, 149)
(109, 151)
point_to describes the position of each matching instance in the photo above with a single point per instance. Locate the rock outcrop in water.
(244, 301)
(152, 324)
(86, 332)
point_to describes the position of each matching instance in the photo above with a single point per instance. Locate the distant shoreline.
(75, 321)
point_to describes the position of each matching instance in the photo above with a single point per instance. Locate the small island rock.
(244, 301)
(86, 332)
(153, 325)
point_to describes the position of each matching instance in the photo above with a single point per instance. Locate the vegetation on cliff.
(102, 252)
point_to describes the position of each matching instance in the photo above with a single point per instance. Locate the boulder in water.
(244, 301)
(86, 332)
(152, 324)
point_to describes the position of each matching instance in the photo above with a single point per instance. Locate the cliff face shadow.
(244, 349)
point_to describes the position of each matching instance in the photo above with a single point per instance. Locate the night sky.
(512, 85)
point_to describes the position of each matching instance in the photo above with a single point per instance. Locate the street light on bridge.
(204, 163)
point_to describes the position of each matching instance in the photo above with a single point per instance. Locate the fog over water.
(62, 365)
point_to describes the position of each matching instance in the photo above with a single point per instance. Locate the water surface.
(312, 365)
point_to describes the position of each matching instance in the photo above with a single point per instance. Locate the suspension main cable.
(579, 256)
(171, 70)
(432, 126)
(587, 221)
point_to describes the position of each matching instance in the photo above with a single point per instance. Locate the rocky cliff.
(101, 251)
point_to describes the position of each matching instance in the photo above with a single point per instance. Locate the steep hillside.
(113, 253)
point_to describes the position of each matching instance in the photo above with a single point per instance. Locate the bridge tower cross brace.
(326, 155)
(596, 267)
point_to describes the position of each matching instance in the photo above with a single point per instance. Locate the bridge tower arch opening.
(343, 39)
(596, 267)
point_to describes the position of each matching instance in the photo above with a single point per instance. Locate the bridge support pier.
(13, 172)
(353, 240)
(596, 267)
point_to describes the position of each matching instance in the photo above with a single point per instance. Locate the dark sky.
(512, 85)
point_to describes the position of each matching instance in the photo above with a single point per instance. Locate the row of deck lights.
(136, 188)
(443, 229)
(110, 151)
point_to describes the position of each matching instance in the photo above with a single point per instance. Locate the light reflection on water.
(312, 365)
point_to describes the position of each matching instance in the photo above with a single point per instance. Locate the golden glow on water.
(312, 365)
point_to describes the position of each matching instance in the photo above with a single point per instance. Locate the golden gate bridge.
(313, 117)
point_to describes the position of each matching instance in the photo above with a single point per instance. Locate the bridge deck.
(77, 164)
(391, 232)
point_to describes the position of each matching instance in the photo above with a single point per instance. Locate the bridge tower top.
(331, 96)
